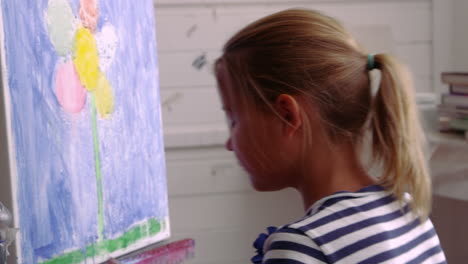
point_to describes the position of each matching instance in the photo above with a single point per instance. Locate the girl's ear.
(289, 110)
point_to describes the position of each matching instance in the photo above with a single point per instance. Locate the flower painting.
(82, 98)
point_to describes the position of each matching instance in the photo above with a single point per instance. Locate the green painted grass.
(150, 228)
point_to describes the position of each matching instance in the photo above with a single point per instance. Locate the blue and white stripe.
(368, 226)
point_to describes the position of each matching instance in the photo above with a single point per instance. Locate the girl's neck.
(331, 170)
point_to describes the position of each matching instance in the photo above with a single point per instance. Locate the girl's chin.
(264, 186)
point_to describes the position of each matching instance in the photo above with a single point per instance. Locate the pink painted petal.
(89, 14)
(70, 93)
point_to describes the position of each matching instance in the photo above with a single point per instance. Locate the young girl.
(296, 89)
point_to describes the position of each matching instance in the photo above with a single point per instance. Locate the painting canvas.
(80, 79)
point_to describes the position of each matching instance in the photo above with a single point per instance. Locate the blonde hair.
(306, 53)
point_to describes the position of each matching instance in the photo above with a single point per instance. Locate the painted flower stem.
(97, 159)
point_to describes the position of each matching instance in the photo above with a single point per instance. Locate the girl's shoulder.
(340, 226)
(303, 233)
(345, 205)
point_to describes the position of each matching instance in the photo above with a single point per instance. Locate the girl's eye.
(230, 121)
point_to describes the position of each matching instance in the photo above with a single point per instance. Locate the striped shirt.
(368, 226)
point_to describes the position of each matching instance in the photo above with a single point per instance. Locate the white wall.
(210, 197)
(450, 38)
(460, 36)
(187, 30)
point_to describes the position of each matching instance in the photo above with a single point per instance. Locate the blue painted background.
(54, 150)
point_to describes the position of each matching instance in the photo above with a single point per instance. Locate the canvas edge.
(13, 173)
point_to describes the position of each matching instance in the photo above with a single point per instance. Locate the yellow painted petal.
(104, 97)
(86, 59)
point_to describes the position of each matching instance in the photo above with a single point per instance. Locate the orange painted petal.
(89, 14)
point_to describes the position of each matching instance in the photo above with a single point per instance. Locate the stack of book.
(453, 109)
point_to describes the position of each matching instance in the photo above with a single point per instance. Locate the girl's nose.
(229, 144)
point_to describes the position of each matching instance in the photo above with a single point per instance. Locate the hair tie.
(370, 62)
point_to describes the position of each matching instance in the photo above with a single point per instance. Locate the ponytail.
(397, 137)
